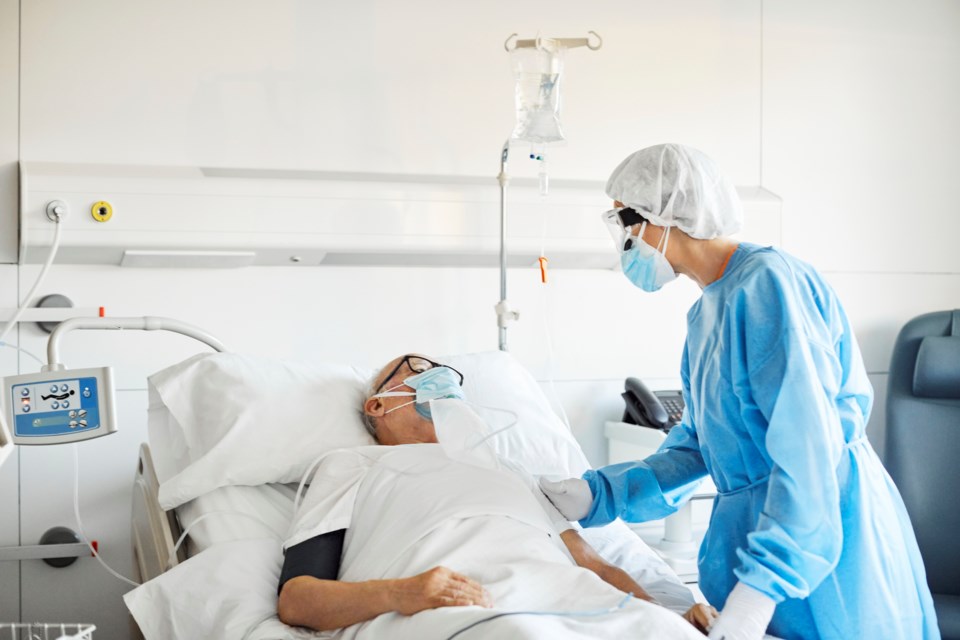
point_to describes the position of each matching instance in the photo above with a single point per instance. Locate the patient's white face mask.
(432, 384)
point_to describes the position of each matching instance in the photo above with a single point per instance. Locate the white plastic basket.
(46, 631)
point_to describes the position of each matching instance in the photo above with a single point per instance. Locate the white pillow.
(227, 419)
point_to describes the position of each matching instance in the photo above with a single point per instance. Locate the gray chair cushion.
(937, 372)
(923, 442)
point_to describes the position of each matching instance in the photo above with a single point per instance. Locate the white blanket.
(410, 508)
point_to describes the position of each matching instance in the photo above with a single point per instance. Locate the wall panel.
(413, 87)
(9, 126)
(9, 471)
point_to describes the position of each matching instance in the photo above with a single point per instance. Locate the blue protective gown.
(777, 400)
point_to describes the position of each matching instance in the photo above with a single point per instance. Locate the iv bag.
(537, 71)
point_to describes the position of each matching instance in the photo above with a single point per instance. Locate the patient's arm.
(700, 616)
(306, 601)
(311, 596)
(588, 558)
(583, 554)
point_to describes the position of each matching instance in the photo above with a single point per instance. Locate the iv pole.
(505, 315)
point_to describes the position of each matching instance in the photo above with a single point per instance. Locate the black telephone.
(656, 409)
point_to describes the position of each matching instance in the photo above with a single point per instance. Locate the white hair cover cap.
(673, 185)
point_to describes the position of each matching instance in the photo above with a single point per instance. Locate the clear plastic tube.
(76, 514)
(172, 559)
(311, 470)
(543, 178)
(545, 307)
(173, 553)
(25, 304)
(495, 432)
(23, 351)
(565, 614)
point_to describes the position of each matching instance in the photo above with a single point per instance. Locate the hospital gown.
(777, 401)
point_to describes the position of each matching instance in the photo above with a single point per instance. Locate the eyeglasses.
(619, 223)
(416, 364)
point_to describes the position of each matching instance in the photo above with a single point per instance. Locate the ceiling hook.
(599, 41)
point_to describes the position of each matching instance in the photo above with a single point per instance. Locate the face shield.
(620, 224)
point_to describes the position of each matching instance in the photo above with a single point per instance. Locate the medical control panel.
(60, 406)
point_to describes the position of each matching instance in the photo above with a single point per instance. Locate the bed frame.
(153, 530)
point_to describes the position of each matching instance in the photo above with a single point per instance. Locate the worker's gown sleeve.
(777, 405)
(652, 488)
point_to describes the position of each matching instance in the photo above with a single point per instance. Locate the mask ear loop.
(405, 404)
(639, 237)
(390, 392)
(664, 240)
(394, 394)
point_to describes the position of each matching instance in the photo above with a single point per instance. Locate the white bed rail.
(154, 531)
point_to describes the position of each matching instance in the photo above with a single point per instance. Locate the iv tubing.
(76, 514)
(43, 273)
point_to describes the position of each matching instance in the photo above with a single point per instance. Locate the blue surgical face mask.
(645, 266)
(432, 384)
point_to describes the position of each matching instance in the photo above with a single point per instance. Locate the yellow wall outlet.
(101, 211)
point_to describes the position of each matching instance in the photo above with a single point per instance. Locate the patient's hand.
(438, 587)
(701, 616)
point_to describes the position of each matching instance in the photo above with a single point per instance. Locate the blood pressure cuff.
(318, 557)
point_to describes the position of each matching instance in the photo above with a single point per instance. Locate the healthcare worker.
(809, 537)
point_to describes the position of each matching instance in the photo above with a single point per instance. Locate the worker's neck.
(703, 261)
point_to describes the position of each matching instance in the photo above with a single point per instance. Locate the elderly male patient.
(314, 594)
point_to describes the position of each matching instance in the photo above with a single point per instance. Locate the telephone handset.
(657, 409)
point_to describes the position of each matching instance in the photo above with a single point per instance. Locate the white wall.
(843, 111)
(422, 86)
(859, 133)
(9, 126)
(9, 142)
(9, 470)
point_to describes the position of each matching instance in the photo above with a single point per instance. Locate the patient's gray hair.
(371, 389)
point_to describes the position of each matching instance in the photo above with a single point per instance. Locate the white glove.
(745, 616)
(572, 497)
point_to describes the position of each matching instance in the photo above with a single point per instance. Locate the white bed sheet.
(232, 514)
(242, 531)
(411, 508)
(236, 549)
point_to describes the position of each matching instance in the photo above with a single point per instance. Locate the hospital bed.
(231, 437)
